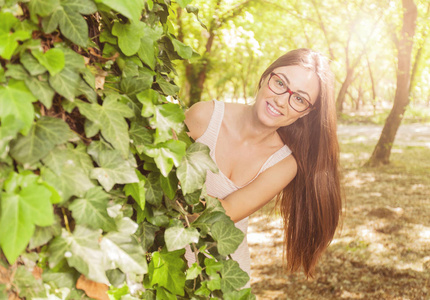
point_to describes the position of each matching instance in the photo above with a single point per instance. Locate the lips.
(273, 111)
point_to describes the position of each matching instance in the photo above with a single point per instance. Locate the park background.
(379, 53)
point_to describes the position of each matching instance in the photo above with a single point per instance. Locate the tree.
(197, 72)
(98, 177)
(381, 153)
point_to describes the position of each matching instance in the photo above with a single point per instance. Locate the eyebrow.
(299, 91)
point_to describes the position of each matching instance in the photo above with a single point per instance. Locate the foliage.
(98, 177)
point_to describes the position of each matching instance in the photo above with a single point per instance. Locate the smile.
(273, 111)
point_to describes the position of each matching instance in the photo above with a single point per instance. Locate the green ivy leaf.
(8, 40)
(69, 171)
(43, 7)
(73, 26)
(42, 235)
(66, 83)
(75, 157)
(146, 234)
(31, 64)
(96, 147)
(227, 236)
(9, 129)
(16, 99)
(82, 251)
(244, 294)
(110, 119)
(60, 279)
(147, 52)
(134, 84)
(167, 87)
(42, 138)
(183, 50)
(53, 60)
(128, 36)
(113, 169)
(16, 72)
(124, 252)
(178, 237)
(8, 21)
(233, 277)
(85, 7)
(193, 271)
(169, 185)
(148, 98)
(91, 210)
(167, 117)
(74, 60)
(29, 287)
(137, 190)
(41, 89)
(205, 221)
(167, 270)
(71, 181)
(154, 192)
(214, 283)
(166, 154)
(213, 267)
(20, 213)
(192, 170)
(140, 136)
(84, 89)
(50, 23)
(132, 9)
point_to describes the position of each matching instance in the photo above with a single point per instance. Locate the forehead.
(300, 80)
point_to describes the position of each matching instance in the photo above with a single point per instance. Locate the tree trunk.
(372, 81)
(196, 74)
(382, 151)
(343, 90)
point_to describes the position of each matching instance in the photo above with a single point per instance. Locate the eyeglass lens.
(296, 101)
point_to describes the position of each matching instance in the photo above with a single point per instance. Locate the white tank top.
(220, 186)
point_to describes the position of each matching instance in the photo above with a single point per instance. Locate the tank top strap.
(210, 136)
(276, 157)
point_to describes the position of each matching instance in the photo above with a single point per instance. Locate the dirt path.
(408, 134)
(383, 249)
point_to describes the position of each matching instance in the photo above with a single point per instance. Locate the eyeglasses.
(279, 87)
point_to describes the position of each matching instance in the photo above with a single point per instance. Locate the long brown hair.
(311, 204)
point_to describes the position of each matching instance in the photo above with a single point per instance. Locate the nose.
(282, 100)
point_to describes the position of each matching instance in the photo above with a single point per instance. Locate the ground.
(382, 250)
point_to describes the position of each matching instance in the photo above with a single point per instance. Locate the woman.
(284, 145)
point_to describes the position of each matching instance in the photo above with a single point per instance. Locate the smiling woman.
(283, 146)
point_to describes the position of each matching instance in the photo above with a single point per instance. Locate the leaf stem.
(192, 244)
(66, 220)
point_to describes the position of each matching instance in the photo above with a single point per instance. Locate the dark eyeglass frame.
(289, 92)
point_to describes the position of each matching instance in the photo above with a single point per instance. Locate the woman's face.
(274, 110)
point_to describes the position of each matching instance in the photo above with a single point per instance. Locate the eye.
(299, 99)
(280, 83)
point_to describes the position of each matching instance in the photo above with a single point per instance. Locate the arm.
(197, 118)
(247, 200)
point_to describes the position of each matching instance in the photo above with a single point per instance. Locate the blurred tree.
(404, 43)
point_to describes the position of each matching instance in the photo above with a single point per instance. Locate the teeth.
(272, 109)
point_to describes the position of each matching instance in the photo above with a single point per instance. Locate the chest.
(240, 161)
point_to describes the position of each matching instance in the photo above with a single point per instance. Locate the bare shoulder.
(197, 118)
(284, 171)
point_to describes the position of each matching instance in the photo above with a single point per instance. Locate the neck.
(251, 130)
